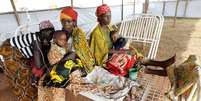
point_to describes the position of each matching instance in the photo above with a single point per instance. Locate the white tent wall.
(7, 23)
(193, 8)
(86, 19)
(154, 7)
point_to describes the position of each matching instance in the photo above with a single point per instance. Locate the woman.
(100, 41)
(77, 41)
(25, 54)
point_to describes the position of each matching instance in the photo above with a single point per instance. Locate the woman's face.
(46, 35)
(68, 24)
(105, 19)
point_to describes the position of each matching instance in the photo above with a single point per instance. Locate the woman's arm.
(37, 54)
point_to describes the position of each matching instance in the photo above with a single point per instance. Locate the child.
(117, 41)
(58, 47)
(62, 60)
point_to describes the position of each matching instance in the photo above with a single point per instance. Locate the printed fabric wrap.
(82, 49)
(120, 63)
(100, 44)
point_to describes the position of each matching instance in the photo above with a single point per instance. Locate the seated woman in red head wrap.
(104, 38)
(100, 39)
(76, 37)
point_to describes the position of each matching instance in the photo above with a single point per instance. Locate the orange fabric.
(102, 9)
(68, 13)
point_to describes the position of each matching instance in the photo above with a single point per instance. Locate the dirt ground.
(183, 39)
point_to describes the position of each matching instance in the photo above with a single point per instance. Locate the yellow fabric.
(64, 16)
(79, 63)
(82, 49)
(100, 44)
(69, 64)
(56, 78)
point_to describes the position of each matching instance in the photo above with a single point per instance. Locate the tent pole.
(175, 15)
(15, 12)
(71, 3)
(122, 10)
(146, 6)
(186, 6)
(134, 7)
(163, 12)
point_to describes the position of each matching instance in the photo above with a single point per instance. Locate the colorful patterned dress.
(82, 49)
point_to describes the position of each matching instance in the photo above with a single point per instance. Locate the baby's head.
(60, 38)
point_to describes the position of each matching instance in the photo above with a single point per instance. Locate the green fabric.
(82, 49)
(133, 73)
(100, 44)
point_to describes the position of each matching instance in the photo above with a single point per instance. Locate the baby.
(118, 41)
(58, 47)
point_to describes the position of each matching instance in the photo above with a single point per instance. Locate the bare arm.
(37, 54)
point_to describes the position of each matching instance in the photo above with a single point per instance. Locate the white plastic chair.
(144, 28)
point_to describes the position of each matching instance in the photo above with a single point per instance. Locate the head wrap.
(45, 25)
(68, 13)
(102, 9)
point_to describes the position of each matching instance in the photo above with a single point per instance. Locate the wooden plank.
(71, 97)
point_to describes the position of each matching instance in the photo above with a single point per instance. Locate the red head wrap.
(68, 13)
(102, 9)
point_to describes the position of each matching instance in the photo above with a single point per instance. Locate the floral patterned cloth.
(56, 53)
(51, 94)
(18, 71)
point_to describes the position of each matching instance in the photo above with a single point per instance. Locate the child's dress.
(56, 53)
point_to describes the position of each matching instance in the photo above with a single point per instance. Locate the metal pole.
(15, 12)
(163, 12)
(71, 3)
(186, 5)
(134, 7)
(102, 1)
(175, 15)
(146, 6)
(122, 9)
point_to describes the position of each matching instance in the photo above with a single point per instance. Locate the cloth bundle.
(101, 83)
(121, 62)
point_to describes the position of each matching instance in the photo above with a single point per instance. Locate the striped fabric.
(24, 43)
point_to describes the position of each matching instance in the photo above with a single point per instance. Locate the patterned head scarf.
(102, 9)
(68, 13)
(45, 25)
